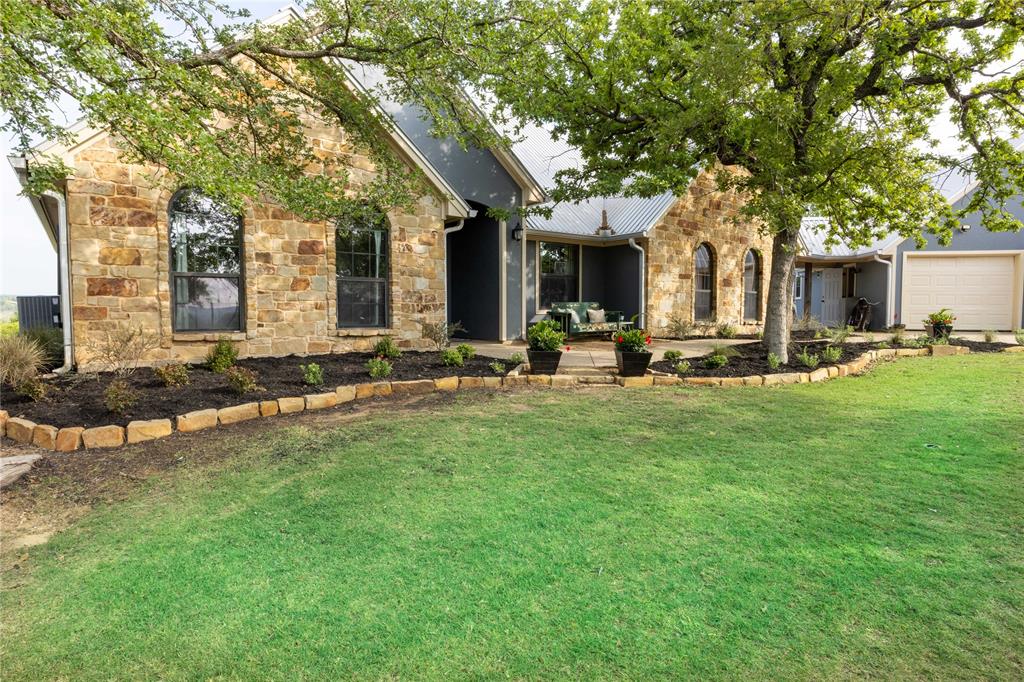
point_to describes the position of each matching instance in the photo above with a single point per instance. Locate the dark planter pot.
(632, 364)
(544, 361)
(937, 331)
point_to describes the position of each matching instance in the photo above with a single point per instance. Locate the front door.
(832, 297)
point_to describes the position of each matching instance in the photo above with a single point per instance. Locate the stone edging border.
(72, 438)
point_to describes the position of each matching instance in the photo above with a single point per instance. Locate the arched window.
(704, 283)
(361, 263)
(752, 286)
(206, 263)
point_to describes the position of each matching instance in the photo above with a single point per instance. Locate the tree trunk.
(777, 317)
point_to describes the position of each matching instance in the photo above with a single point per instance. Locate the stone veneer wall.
(704, 214)
(120, 258)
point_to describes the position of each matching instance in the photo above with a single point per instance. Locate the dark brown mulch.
(980, 346)
(752, 359)
(78, 400)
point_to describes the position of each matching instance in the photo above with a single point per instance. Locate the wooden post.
(808, 271)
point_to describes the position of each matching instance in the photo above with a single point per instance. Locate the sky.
(28, 264)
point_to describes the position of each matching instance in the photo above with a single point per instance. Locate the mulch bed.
(980, 346)
(752, 359)
(77, 400)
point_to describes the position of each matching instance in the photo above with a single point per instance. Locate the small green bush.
(21, 359)
(222, 356)
(516, 359)
(173, 375)
(724, 350)
(807, 359)
(673, 355)
(726, 331)
(939, 341)
(378, 368)
(774, 362)
(33, 388)
(990, 336)
(466, 351)
(715, 361)
(498, 367)
(312, 374)
(119, 396)
(387, 348)
(450, 357)
(882, 344)
(898, 338)
(679, 327)
(839, 334)
(546, 335)
(242, 380)
(832, 354)
(682, 367)
(1018, 335)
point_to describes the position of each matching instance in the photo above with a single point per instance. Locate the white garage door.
(978, 289)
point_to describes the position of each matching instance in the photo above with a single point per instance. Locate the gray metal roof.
(627, 216)
(814, 231)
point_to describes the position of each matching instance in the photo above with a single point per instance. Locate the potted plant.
(631, 352)
(544, 341)
(940, 324)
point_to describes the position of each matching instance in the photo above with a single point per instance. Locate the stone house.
(137, 250)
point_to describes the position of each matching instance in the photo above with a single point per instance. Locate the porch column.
(808, 268)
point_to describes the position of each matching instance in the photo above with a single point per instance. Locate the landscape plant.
(679, 327)
(122, 349)
(173, 375)
(441, 333)
(312, 374)
(50, 339)
(990, 336)
(726, 331)
(222, 356)
(831, 354)
(1018, 336)
(516, 359)
(672, 355)
(632, 341)
(119, 396)
(545, 336)
(451, 357)
(497, 366)
(242, 380)
(387, 348)
(378, 368)
(774, 362)
(839, 335)
(21, 360)
(467, 351)
(808, 359)
(683, 367)
(715, 361)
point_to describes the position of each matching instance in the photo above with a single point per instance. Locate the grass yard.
(869, 527)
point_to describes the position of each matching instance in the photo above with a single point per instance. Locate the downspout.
(889, 290)
(447, 294)
(64, 267)
(643, 281)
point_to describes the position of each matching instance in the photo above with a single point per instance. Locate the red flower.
(648, 340)
(568, 347)
(620, 339)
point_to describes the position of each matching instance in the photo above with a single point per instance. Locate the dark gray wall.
(975, 239)
(473, 278)
(531, 279)
(478, 177)
(872, 283)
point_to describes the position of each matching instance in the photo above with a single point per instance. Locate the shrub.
(990, 336)
(832, 354)
(378, 368)
(678, 327)
(673, 355)
(807, 323)
(121, 349)
(840, 334)
(450, 357)
(939, 341)
(883, 344)
(715, 361)
(33, 389)
(175, 374)
(943, 316)
(705, 327)
(516, 359)
(807, 359)
(51, 340)
(21, 358)
(387, 348)
(441, 333)
(546, 335)
(222, 356)
(632, 341)
(724, 349)
(1018, 335)
(312, 374)
(726, 331)
(119, 396)
(466, 351)
(498, 367)
(774, 362)
(242, 380)
(682, 367)
(898, 338)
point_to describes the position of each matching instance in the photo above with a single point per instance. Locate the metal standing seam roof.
(813, 233)
(627, 216)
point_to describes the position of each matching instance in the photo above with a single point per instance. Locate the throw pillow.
(596, 316)
(575, 316)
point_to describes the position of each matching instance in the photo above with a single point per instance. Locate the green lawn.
(868, 527)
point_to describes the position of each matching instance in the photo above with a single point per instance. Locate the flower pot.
(544, 361)
(632, 364)
(937, 331)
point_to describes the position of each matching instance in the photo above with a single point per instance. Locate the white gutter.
(643, 280)
(448, 294)
(64, 267)
(890, 290)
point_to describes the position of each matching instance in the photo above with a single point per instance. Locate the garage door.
(978, 289)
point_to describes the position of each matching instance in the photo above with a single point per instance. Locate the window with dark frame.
(798, 284)
(559, 273)
(752, 286)
(704, 284)
(206, 263)
(361, 263)
(849, 283)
